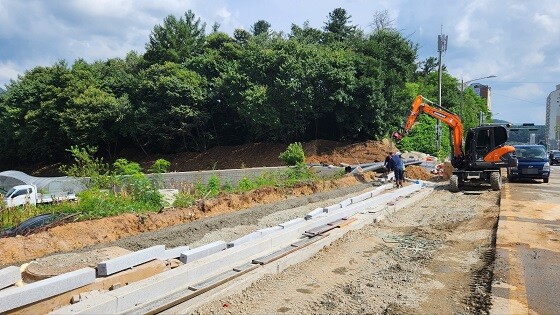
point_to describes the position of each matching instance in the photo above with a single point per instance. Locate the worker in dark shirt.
(398, 169)
(388, 164)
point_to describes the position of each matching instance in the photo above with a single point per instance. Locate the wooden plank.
(336, 223)
(346, 222)
(306, 242)
(199, 288)
(320, 230)
(222, 278)
(214, 281)
(275, 255)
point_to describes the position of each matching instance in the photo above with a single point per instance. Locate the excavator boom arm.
(420, 105)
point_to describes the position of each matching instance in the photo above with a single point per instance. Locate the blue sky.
(518, 41)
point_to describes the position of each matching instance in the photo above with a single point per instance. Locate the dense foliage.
(192, 90)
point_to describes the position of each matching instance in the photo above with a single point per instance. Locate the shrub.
(160, 166)
(214, 185)
(245, 184)
(298, 173)
(183, 200)
(126, 167)
(293, 155)
(86, 165)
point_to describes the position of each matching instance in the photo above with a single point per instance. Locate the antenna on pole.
(442, 46)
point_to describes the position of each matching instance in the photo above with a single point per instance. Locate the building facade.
(485, 92)
(553, 119)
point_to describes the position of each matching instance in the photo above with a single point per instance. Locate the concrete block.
(332, 208)
(9, 276)
(214, 281)
(244, 239)
(291, 223)
(102, 304)
(313, 213)
(19, 296)
(115, 265)
(345, 202)
(269, 230)
(202, 251)
(361, 197)
(380, 189)
(163, 288)
(173, 252)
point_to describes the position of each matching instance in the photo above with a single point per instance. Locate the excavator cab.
(485, 148)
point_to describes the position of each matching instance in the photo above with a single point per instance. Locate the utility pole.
(442, 46)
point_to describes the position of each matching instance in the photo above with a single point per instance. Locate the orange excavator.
(485, 152)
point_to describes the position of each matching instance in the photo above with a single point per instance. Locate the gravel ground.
(434, 257)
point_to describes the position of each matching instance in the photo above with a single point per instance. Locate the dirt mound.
(246, 155)
(266, 154)
(357, 153)
(417, 172)
(447, 170)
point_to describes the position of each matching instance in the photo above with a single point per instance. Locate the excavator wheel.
(454, 183)
(496, 180)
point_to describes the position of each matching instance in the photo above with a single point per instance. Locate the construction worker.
(398, 169)
(388, 164)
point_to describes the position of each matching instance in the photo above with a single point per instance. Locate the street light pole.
(463, 89)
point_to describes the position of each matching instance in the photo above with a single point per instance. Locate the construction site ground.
(432, 257)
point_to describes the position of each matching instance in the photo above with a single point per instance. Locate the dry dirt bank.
(434, 257)
(78, 235)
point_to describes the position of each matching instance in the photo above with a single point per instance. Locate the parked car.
(554, 157)
(532, 162)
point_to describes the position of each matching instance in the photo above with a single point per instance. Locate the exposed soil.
(249, 155)
(434, 257)
(79, 235)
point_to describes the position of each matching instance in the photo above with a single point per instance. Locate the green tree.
(87, 165)
(123, 166)
(171, 116)
(176, 40)
(261, 27)
(160, 166)
(30, 118)
(338, 26)
(241, 36)
(306, 34)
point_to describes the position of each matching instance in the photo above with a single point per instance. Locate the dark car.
(532, 163)
(554, 157)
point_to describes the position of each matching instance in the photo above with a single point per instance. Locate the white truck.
(27, 194)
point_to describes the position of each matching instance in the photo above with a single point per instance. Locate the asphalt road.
(527, 267)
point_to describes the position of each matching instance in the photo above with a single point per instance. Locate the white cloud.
(533, 58)
(8, 71)
(525, 91)
(546, 22)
